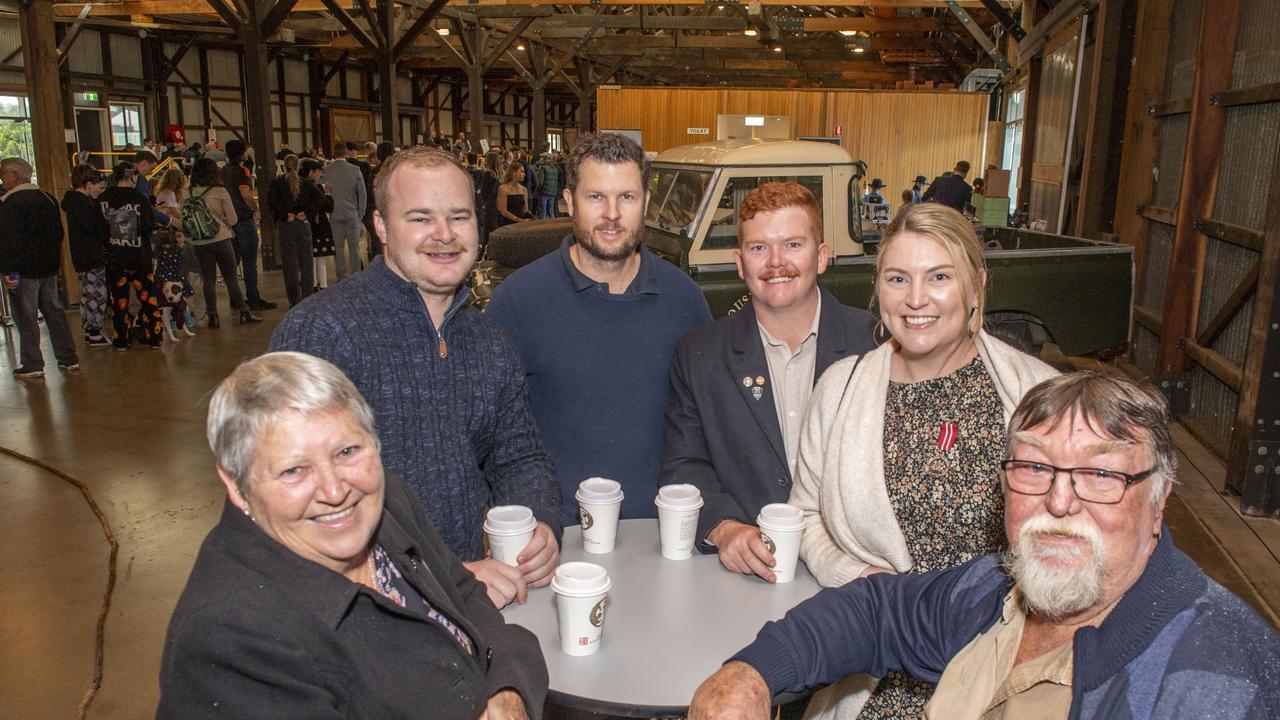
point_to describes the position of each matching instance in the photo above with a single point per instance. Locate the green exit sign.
(91, 97)
(85, 98)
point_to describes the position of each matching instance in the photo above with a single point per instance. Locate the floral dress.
(943, 443)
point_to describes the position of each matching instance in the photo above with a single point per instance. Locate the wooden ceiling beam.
(870, 24)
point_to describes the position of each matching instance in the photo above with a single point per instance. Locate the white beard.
(1052, 591)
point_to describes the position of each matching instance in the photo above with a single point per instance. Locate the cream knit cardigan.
(839, 484)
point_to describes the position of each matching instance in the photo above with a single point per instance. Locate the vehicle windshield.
(675, 194)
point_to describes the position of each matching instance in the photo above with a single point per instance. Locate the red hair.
(775, 196)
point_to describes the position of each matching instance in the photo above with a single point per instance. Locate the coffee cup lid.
(580, 579)
(509, 520)
(679, 497)
(599, 491)
(781, 516)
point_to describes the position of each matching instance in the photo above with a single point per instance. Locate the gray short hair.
(1111, 405)
(258, 391)
(19, 166)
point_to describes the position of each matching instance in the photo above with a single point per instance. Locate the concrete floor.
(130, 428)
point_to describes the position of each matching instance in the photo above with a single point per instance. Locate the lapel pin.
(757, 392)
(746, 382)
(760, 380)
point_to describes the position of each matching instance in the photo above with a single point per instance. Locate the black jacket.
(310, 199)
(720, 438)
(129, 224)
(87, 231)
(30, 233)
(260, 632)
(950, 190)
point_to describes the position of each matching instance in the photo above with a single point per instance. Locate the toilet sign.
(699, 131)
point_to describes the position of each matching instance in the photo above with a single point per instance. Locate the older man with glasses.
(1091, 613)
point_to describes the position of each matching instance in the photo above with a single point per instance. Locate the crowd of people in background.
(151, 248)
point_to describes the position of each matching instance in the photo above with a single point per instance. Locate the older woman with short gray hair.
(324, 591)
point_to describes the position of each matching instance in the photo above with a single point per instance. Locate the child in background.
(321, 229)
(173, 284)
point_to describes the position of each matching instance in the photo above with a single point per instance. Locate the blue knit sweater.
(1177, 645)
(597, 365)
(459, 427)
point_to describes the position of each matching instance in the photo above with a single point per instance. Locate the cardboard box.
(997, 182)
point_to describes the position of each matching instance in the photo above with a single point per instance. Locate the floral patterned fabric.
(393, 586)
(949, 503)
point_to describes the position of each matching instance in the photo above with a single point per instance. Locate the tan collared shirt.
(791, 374)
(981, 682)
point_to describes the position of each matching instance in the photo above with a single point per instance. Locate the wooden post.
(1094, 206)
(1252, 465)
(1215, 50)
(44, 98)
(258, 115)
(1141, 130)
(475, 104)
(387, 77)
(1030, 117)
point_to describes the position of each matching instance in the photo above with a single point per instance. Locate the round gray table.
(669, 624)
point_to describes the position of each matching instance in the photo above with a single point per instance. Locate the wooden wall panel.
(898, 134)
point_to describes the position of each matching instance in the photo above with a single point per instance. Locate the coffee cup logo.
(585, 517)
(597, 612)
(768, 543)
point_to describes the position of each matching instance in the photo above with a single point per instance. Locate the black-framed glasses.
(1094, 485)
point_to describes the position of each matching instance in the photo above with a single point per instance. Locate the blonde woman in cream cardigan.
(899, 455)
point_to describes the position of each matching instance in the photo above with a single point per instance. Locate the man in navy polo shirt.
(596, 324)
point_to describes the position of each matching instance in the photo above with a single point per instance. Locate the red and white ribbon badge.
(948, 431)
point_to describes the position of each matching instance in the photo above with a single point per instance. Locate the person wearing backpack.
(131, 221)
(208, 219)
(546, 181)
(293, 204)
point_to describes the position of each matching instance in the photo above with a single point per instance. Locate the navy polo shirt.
(597, 365)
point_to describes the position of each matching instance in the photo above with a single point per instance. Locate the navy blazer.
(722, 439)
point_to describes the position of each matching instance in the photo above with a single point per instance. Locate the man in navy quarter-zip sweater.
(446, 385)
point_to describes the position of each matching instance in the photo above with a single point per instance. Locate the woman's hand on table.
(735, 692)
(505, 705)
(538, 559)
(741, 549)
(502, 582)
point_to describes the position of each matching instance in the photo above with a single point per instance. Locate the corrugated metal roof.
(10, 38)
(86, 54)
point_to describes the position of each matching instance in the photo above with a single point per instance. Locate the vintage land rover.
(1074, 292)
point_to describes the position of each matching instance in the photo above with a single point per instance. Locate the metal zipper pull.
(444, 347)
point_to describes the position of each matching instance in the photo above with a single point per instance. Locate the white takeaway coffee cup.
(599, 501)
(781, 526)
(678, 507)
(510, 529)
(582, 591)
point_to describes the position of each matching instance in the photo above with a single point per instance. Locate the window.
(553, 139)
(675, 196)
(723, 233)
(126, 124)
(1015, 113)
(15, 128)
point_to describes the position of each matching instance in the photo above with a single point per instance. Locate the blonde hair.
(949, 229)
(172, 179)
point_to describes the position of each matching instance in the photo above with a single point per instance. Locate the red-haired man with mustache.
(1091, 613)
(740, 385)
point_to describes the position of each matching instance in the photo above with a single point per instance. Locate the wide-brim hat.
(922, 180)
(877, 183)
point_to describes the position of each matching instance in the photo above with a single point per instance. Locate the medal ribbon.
(948, 432)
